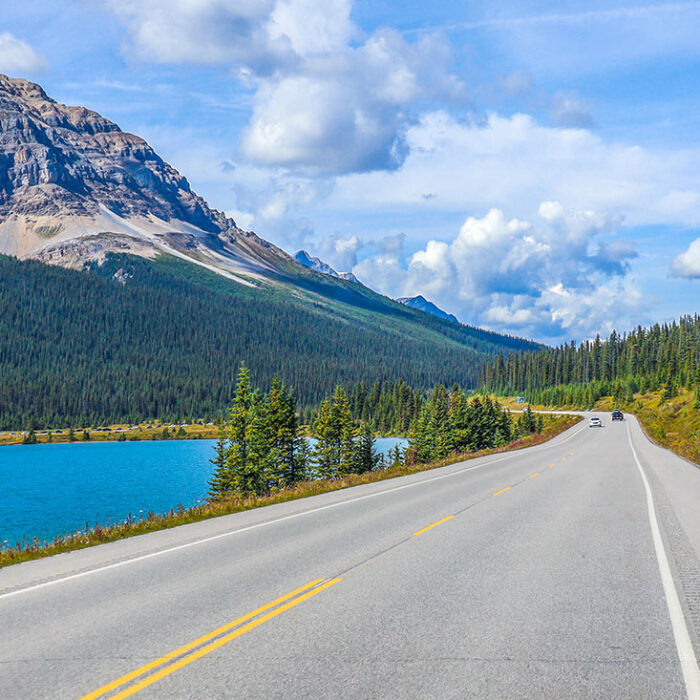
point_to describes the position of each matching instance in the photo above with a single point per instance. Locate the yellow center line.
(149, 680)
(532, 476)
(430, 527)
(552, 465)
(507, 488)
(200, 640)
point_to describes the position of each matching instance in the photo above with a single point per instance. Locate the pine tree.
(255, 475)
(333, 429)
(323, 454)
(421, 443)
(439, 425)
(220, 481)
(365, 458)
(237, 426)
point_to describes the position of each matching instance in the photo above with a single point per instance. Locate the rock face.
(422, 304)
(317, 264)
(74, 186)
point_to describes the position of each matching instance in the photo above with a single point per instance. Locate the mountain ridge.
(314, 263)
(179, 292)
(68, 173)
(421, 303)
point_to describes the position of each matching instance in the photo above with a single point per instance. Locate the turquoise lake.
(49, 490)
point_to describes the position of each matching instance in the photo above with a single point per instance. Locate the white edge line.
(211, 538)
(686, 654)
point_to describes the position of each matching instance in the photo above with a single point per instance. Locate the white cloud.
(17, 57)
(514, 162)
(328, 99)
(687, 264)
(313, 26)
(348, 111)
(205, 32)
(548, 278)
(340, 253)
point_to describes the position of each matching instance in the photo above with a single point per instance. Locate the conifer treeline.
(261, 448)
(133, 340)
(450, 422)
(664, 356)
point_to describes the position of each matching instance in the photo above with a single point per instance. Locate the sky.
(531, 167)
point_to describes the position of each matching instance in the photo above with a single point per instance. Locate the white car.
(595, 422)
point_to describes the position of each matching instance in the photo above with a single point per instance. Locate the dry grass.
(116, 432)
(674, 424)
(225, 506)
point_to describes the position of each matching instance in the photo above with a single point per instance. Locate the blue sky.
(531, 167)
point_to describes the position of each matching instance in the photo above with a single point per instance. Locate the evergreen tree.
(365, 458)
(237, 425)
(333, 430)
(220, 481)
(257, 475)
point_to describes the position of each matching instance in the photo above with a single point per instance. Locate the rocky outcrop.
(74, 186)
(56, 159)
(317, 264)
(422, 304)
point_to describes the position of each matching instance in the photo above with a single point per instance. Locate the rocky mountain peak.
(74, 186)
(60, 159)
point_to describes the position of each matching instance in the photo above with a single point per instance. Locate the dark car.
(617, 414)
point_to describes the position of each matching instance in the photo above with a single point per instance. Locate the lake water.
(47, 490)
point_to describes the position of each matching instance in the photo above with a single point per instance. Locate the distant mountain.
(167, 296)
(422, 304)
(317, 264)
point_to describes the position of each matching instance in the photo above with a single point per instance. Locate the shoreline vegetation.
(229, 504)
(119, 432)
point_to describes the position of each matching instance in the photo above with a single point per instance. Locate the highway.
(566, 570)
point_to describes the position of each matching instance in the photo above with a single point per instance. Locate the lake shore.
(118, 432)
(150, 521)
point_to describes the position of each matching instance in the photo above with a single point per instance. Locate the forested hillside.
(664, 356)
(135, 339)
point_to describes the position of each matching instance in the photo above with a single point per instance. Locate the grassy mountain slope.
(135, 339)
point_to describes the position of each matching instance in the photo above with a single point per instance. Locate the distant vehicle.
(520, 399)
(595, 422)
(617, 414)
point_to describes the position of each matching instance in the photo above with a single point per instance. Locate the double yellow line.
(199, 647)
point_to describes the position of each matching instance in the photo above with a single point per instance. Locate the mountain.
(74, 187)
(421, 303)
(164, 296)
(317, 264)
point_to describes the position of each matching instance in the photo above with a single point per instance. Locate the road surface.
(542, 573)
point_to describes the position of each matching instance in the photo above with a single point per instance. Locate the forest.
(261, 448)
(132, 340)
(663, 357)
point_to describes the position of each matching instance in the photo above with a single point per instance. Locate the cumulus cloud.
(205, 32)
(513, 162)
(340, 253)
(551, 277)
(348, 111)
(328, 100)
(687, 264)
(17, 57)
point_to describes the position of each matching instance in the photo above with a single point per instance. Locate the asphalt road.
(541, 573)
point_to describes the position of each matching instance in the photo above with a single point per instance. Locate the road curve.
(545, 573)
